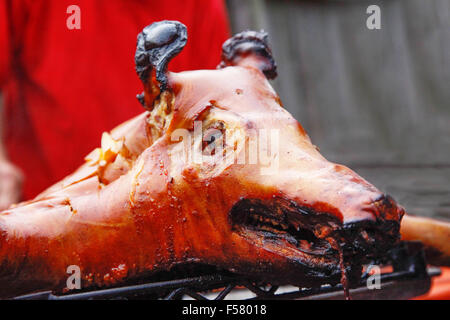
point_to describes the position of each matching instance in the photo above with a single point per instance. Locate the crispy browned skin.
(135, 207)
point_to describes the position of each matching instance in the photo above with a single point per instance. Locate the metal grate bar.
(409, 278)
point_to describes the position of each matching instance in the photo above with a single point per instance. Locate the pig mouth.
(324, 250)
(274, 221)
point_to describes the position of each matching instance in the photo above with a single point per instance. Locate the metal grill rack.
(410, 277)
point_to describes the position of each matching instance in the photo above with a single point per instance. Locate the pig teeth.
(266, 223)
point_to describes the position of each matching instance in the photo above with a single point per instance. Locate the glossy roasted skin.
(137, 207)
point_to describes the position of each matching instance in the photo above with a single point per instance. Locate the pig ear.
(249, 48)
(157, 44)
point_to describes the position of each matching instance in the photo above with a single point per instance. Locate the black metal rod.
(410, 275)
(196, 282)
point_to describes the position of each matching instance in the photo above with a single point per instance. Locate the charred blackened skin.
(156, 45)
(318, 234)
(249, 42)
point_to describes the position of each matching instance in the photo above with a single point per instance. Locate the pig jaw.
(298, 245)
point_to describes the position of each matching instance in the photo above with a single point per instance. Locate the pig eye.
(213, 138)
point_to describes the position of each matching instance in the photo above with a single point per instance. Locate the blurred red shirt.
(63, 87)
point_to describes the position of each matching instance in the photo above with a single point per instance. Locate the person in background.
(68, 75)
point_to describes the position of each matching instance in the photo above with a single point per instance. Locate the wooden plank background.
(375, 100)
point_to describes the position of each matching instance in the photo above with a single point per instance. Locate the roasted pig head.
(214, 172)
